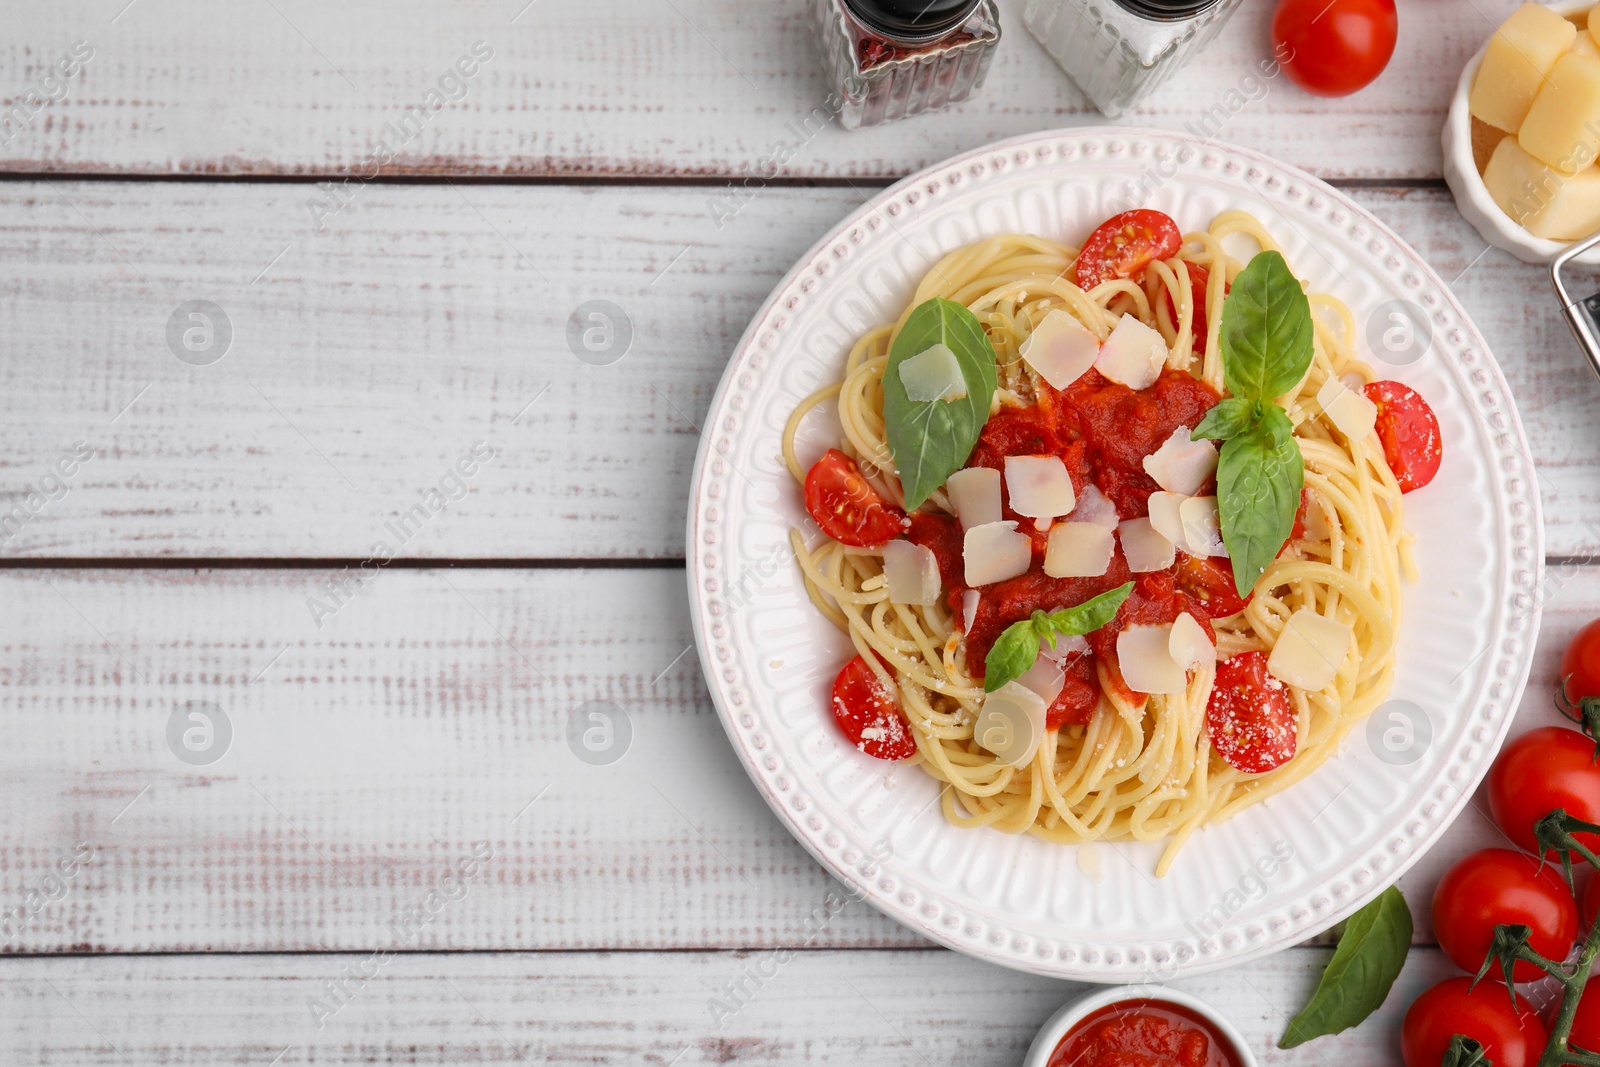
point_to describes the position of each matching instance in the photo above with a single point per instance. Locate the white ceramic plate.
(1351, 828)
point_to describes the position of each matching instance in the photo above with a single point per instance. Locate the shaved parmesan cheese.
(1133, 355)
(1188, 643)
(1317, 528)
(1310, 650)
(1166, 517)
(1350, 411)
(1094, 506)
(994, 552)
(911, 572)
(1039, 486)
(975, 494)
(933, 374)
(969, 609)
(1078, 550)
(1011, 723)
(1067, 646)
(1145, 658)
(1060, 349)
(1202, 526)
(1182, 465)
(1046, 677)
(1144, 546)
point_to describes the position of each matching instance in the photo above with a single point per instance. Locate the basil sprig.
(931, 440)
(1015, 650)
(1266, 351)
(1371, 952)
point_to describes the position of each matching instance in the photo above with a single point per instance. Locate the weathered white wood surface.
(366, 358)
(369, 756)
(912, 1008)
(630, 87)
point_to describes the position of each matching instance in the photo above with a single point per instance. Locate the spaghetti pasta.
(1143, 770)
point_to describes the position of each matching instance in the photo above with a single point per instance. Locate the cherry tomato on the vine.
(1510, 1038)
(1409, 431)
(845, 505)
(1498, 885)
(1124, 245)
(868, 714)
(1334, 47)
(1585, 1032)
(1544, 769)
(1580, 664)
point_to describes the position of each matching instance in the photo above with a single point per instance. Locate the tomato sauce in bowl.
(1144, 1033)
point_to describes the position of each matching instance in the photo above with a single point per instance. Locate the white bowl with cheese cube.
(1523, 134)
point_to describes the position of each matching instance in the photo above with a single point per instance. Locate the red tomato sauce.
(1144, 1033)
(1102, 431)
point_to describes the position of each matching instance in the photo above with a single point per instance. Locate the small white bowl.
(1466, 184)
(1074, 1012)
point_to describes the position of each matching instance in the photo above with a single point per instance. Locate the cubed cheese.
(1515, 61)
(1485, 139)
(1310, 650)
(1563, 125)
(1181, 464)
(1544, 201)
(1133, 355)
(911, 572)
(1144, 655)
(1039, 486)
(1351, 412)
(994, 552)
(1011, 723)
(1144, 547)
(975, 495)
(933, 374)
(1202, 526)
(1078, 550)
(1060, 349)
(1586, 45)
(1188, 643)
(1593, 23)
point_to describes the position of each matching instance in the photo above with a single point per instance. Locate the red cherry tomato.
(1409, 431)
(845, 505)
(1544, 769)
(1499, 885)
(1580, 664)
(1249, 717)
(1588, 908)
(1124, 245)
(1585, 1032)
(1211, 583)
(1334, 47)
(869, 716)
(1199, 278)
(1510, 1038)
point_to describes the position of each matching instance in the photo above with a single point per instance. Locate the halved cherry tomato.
(868, 714)
(1580, 664)
(1500, 885)
(1544, 769)
(1199, 278)
(1409, 431)
(1211, 583)
(1334, 47)
(1511, 1038)
(845, 505)
(1249, 716)
(1124, 245)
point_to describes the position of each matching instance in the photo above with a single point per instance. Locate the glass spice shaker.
(889, 59)
(1118, 51)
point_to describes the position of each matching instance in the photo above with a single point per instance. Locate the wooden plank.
(631, 87)
(411, 731)
(891, 1008)
(367, 359)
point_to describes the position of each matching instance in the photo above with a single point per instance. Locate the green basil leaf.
(1232, 417)
(1092, 613)
(931, 440)
(1266, 330)
(1011, 655)
(1259, 478)
(1364, 966)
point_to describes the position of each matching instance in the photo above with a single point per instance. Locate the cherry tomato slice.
(1199, 278)
(1409, 431)
(1501, 885)
(1544, 769)
(1510, 1037)
(1580, 664)
(845, 505)
(1124, 245)
(1334, 47)
(866, 711)
(1211, 583)
(1250, 718)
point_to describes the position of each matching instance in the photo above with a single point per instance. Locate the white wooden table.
(244, 911)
